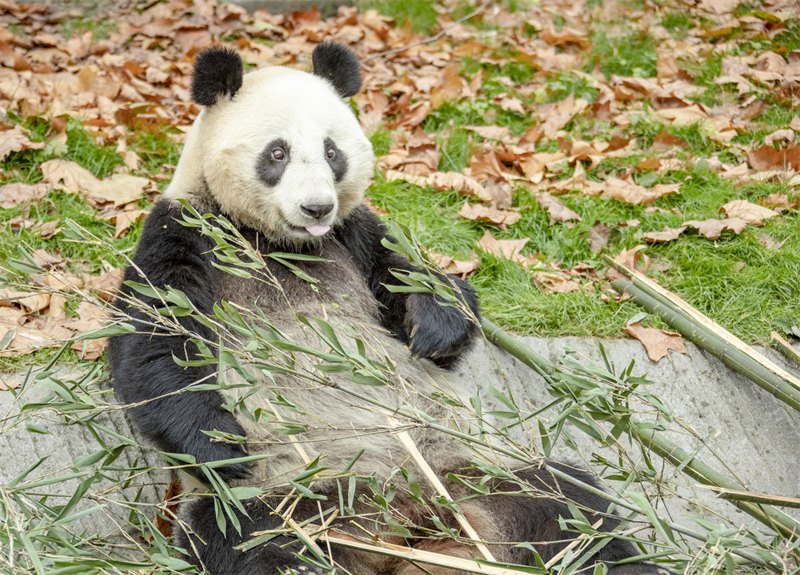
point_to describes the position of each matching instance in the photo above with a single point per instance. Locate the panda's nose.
(316, 210)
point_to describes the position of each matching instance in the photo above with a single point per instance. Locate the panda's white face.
(285, 155)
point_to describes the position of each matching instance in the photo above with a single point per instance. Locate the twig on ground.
(429, 39)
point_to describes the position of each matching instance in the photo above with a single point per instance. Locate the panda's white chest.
(328, 381)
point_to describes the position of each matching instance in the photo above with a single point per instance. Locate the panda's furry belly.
(298, 417)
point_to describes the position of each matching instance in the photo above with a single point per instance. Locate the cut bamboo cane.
(648, 438)
(785, 347)
(750, 364)
(420, 556)
(675, 302)
(777, 500)
(411, 447)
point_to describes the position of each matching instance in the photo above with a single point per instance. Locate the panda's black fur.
(146, 374)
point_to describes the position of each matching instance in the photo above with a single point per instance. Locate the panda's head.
(278, 149)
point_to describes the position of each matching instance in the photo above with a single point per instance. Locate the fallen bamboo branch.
(785, 347)
(777, 500)
(745, 364)
(422, 556)
(709, 335)
(434, 480)
(650, 439)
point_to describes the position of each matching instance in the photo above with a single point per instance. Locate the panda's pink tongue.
(318, 230)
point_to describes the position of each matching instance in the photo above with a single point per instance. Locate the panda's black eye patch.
(336, 158)
(272, 162)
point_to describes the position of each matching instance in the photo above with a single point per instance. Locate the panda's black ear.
(339, 65)
(217, 73)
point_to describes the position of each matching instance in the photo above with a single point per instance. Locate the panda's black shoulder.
(361, 231)
(166, 243)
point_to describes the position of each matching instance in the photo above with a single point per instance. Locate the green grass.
(100, 28)
(678, 24)
(631, 55)
(421, 15)
(736, 280)
(477, 113)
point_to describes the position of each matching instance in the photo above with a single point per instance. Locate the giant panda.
(278, 153)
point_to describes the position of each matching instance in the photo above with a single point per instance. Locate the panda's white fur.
(226, 139)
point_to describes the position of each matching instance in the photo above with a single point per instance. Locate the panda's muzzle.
(316, 210)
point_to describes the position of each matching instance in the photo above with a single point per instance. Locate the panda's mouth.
(315, 230)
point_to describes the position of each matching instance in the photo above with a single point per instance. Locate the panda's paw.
(441, 333)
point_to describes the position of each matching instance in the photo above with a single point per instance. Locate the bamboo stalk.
(411, 447)
(420, 556)
(778, 500)
(785, 347)
(677, 303)
(648, 438)
(751, 365)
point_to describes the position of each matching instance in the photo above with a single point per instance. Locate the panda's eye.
(278, 155)
(331, 153)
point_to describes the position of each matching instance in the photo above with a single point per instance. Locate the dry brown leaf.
(665, 235)
(445, 181)
(23, 337)
(712, 229)
(768, 158)
(47, 260)
(124, 220)
(749, 212)
(565, 36)
(555, 282)
(490, 214)
(556, 116)
(777, 201)
(509, 103)
(461, 268)
(779, 136)
(500, 133)
(656, 342)
(67, 176)
(632, 193)
(598, 237)
(633, 259)
(44, 230)
(105, 285)
(509, 249)
(119, 189)
(16, 140)
(770, 243)
(683, 116)
(558, 211)
(451, 87)
(14, 194)
(28, 301)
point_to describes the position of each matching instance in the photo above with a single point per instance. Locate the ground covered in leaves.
(519, 142)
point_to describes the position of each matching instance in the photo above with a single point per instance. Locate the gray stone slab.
(725, 419)
(26, 436)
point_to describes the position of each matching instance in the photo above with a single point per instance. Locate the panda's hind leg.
(525, 517)
(215, 551)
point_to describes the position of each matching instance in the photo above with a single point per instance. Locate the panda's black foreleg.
(433, 329)
(216, 551)
(145, 374)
